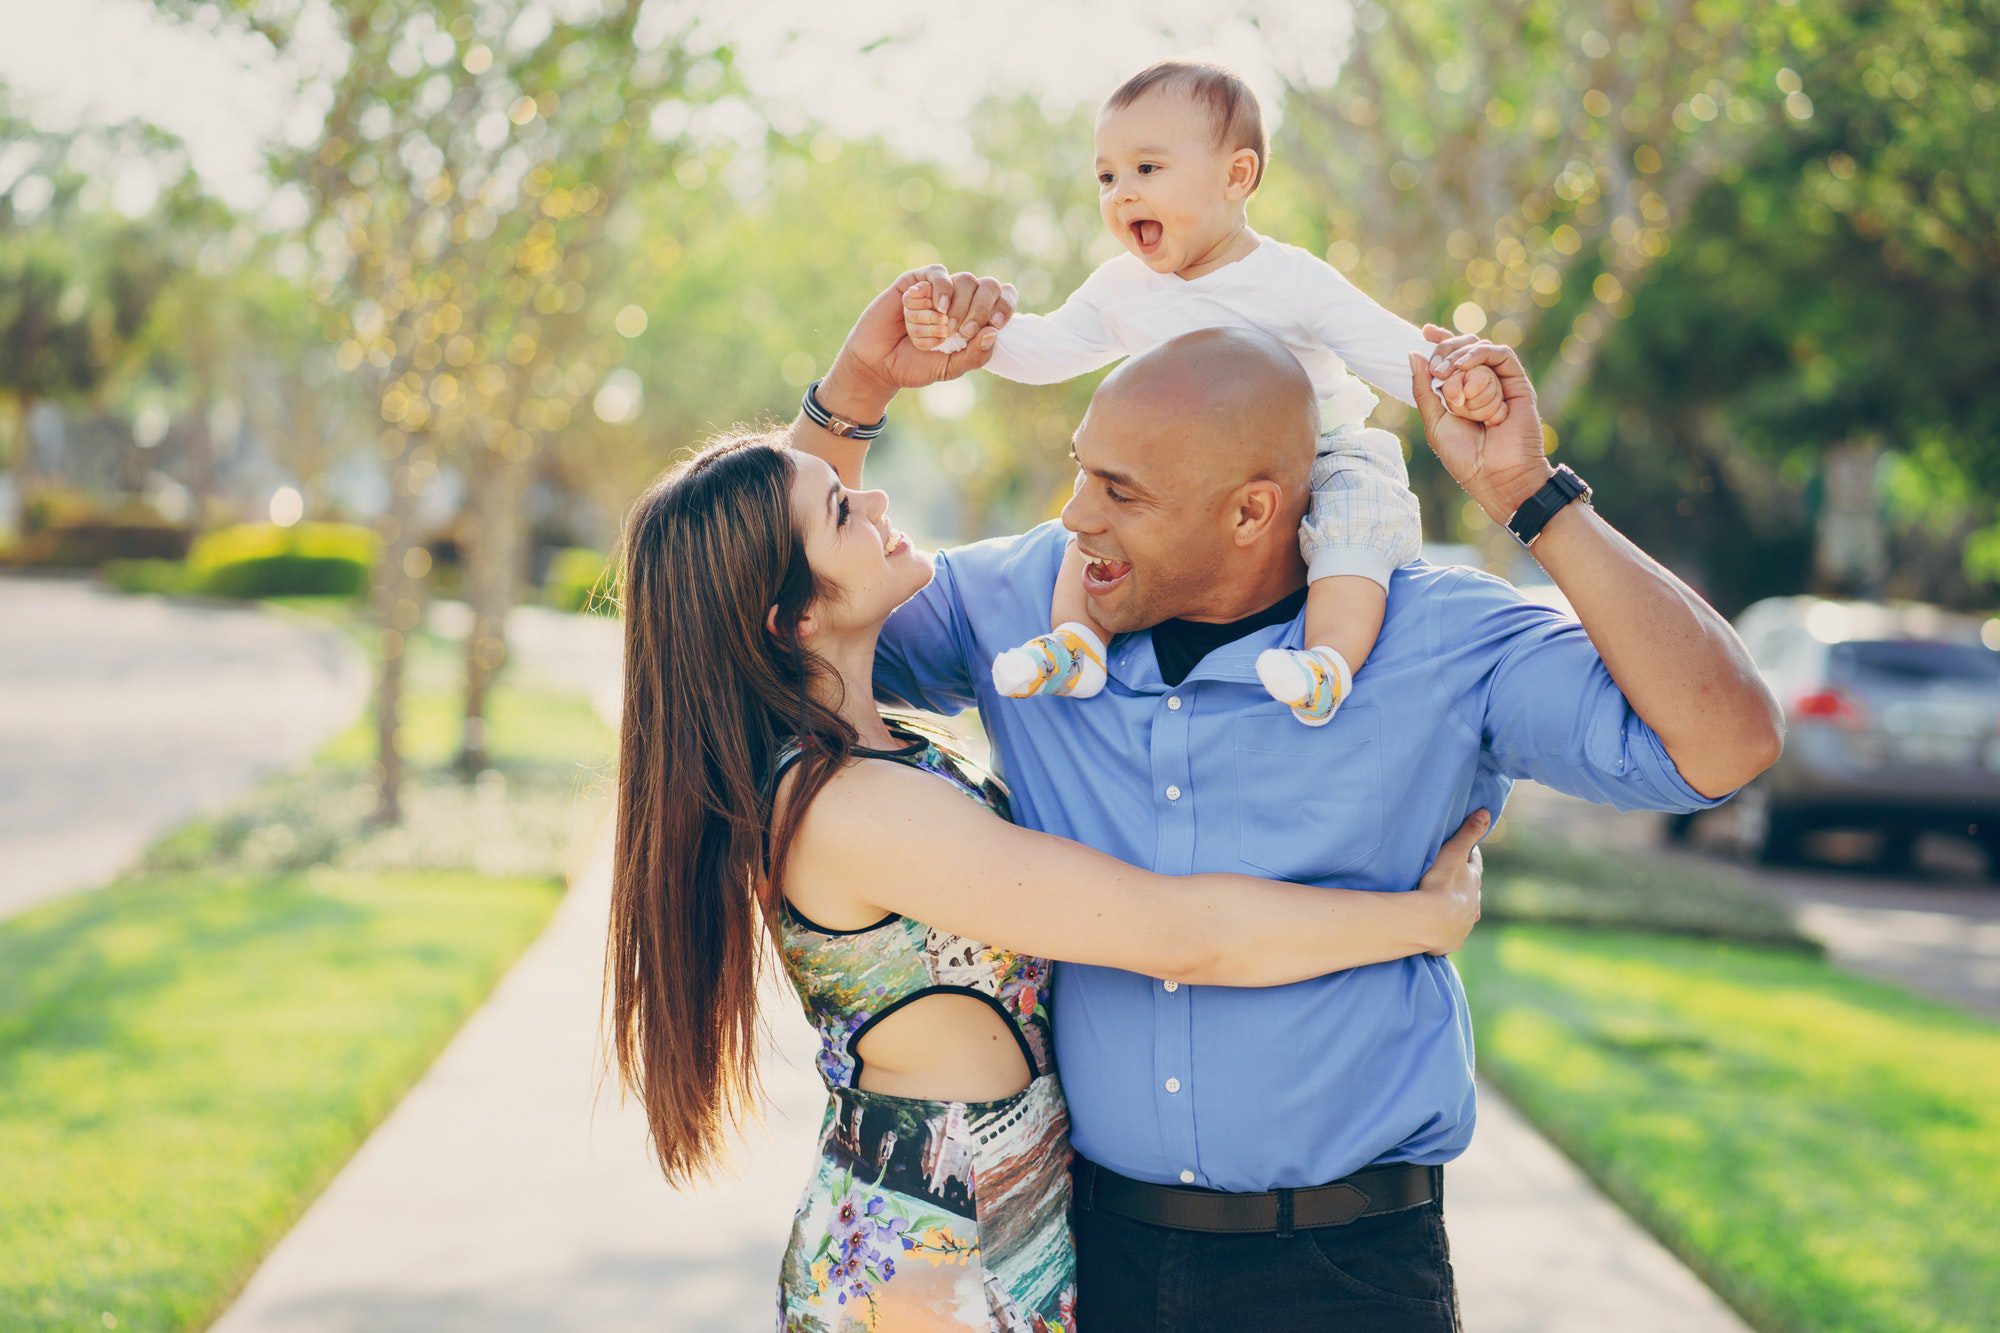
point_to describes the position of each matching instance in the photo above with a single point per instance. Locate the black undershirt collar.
(1180, 645)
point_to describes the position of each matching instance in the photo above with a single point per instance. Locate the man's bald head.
(1195, 461)
(1235, 402)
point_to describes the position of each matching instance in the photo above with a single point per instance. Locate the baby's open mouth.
(1146, 232)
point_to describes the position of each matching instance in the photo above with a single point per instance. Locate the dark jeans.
(1389, 1272)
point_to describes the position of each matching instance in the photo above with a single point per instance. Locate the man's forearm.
(1677, 661)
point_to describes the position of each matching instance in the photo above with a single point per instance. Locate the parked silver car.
(1893, 716)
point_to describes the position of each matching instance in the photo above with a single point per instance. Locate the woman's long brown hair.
(711, 696)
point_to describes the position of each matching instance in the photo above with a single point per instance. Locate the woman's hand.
(878, 358)
(1451, 885)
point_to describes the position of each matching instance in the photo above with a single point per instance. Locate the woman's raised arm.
(882, 837)
(878, 359)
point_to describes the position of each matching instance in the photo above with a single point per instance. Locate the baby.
(1180, 149)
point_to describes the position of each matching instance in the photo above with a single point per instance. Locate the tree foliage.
(463, 193)
(77, 278)
(1839, 289)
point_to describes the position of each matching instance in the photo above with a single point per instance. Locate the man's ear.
(1242, 174)
(1259, 505)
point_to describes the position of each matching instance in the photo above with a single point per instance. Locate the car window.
(1917, 660)
(1783, 650)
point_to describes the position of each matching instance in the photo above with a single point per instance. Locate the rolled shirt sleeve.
(1543, 706)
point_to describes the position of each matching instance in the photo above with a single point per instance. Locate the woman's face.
(852, 545)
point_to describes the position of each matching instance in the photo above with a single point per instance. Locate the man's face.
(1149, 522)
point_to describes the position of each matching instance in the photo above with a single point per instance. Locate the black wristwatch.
(837, 424)
(1536, 511)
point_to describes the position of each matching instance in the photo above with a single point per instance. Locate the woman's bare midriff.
(947, 1048)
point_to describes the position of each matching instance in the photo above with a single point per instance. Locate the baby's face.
(1162, 184)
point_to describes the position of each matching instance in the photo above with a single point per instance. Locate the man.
(1273, 1158)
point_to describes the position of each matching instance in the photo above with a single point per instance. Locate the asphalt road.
(122, 716)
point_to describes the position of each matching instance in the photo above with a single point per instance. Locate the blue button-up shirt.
(1469, 687)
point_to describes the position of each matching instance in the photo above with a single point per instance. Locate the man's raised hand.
(1501, 461)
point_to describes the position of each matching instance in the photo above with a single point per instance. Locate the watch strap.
(1535, 512)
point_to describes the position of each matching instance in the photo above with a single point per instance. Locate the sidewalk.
(490, 1200)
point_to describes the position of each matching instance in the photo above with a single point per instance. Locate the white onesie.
(1363, 518)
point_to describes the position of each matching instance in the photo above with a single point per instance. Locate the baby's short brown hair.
(1232, 107)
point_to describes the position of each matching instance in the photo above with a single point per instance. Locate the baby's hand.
(928, 328)
(1475, 395)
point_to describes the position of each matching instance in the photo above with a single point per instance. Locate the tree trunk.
(492, 557)
(397, 610)
(200, 462)
(26, 476)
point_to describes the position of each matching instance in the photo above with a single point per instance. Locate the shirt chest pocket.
(1309, 801)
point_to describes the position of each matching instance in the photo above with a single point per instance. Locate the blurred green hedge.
(580, 579)
(139, 576)
(264, 560)
(69, 530)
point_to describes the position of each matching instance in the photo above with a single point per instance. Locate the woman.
(760, 785)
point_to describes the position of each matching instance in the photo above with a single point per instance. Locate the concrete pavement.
(122, 716)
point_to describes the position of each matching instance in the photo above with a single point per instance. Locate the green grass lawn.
(189, 1055)
(1531, 875)
(1823, 1149)
(186, 1060)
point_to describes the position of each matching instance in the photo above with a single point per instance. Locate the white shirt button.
(1171, 985)
(1187, 1177)
(1173, 1085)
(1174, 702)
(1173, 793)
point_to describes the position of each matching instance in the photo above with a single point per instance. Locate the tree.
(1518, 167)
(77, 281)
(198, 340)
(754, 262)
(469, 164)
(309, 411)
(1836, 296)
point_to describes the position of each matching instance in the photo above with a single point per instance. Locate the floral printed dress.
(927, 1215)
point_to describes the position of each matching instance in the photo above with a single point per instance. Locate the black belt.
(1371, 1190)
